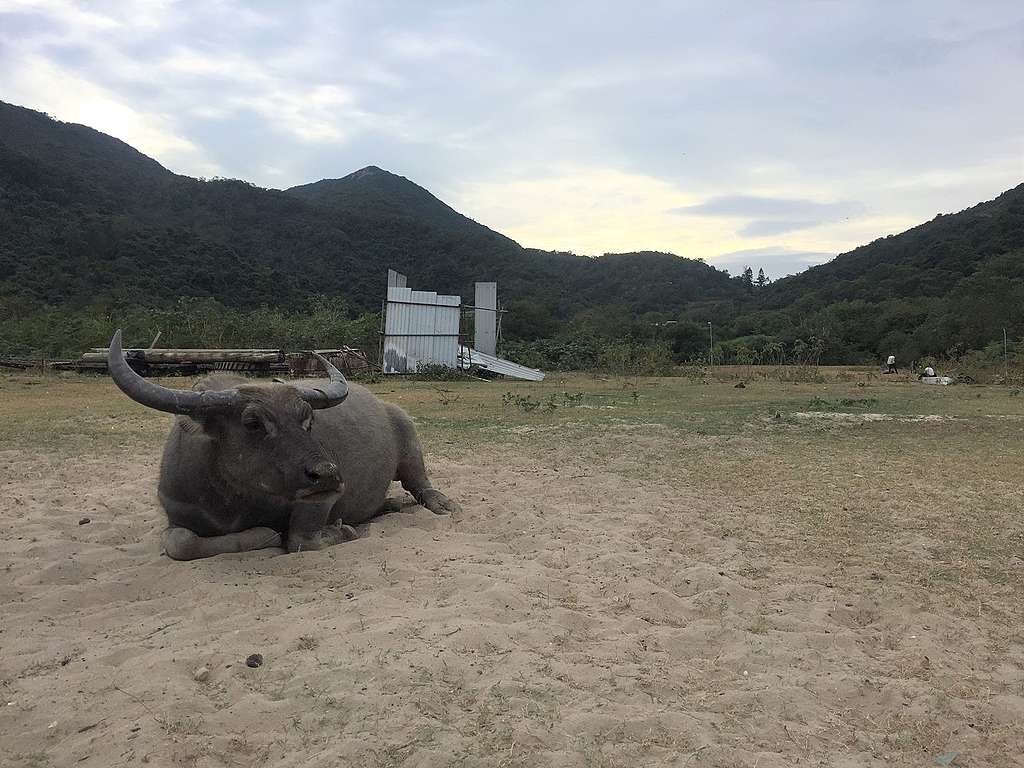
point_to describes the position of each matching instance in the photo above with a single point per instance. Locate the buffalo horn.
(330, 394)
(181, 401)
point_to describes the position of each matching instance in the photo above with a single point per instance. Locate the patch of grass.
(760, 626)
(438, 372)
(843, 403)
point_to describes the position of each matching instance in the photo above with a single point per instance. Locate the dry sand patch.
(620, 600)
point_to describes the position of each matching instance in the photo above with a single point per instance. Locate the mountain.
(92, 230)
(377, 194)
(87, 221)
(84, 153)
(84, 217)
(949, 285)
(927, 260)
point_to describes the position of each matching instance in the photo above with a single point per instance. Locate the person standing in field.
(891, 365)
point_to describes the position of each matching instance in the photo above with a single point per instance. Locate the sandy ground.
(586, 609)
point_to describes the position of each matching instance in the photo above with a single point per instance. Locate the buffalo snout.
(323, 475)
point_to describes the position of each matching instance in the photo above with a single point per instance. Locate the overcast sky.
(771, 133)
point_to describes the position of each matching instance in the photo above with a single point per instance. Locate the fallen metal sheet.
(470, 357)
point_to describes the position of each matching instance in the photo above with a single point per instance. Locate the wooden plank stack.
(162, 362)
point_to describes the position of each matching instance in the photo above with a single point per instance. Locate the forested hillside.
(94, 234)
(88, 224)
(950, 285)
(924, 261)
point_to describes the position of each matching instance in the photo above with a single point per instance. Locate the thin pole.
(711, 349)
(1006, 379)
(380, 333)
(497, 332)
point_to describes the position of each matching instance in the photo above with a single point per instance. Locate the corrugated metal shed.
(420, 327)
(423, 327)
(469, 357)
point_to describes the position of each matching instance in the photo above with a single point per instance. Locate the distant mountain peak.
(377, 193)
(369, 170)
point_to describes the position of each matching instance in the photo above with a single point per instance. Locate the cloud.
(767, 207)
(765, 227)
(777, 261)
(313, 111)
(773, 215)
(590, 212)
(411, 45)
(63, 11)
(63, 94)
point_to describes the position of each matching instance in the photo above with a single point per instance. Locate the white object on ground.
(469, 356)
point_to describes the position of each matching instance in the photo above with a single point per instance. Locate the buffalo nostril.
(325, 470)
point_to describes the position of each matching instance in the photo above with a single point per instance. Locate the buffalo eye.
(308, 424)
(253, 423)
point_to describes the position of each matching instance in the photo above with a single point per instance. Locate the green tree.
(747, 278)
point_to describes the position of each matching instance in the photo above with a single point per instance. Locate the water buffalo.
(248, 466)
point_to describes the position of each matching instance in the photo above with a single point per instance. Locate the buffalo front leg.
(183, 544)
(308, 528)
(412, 474)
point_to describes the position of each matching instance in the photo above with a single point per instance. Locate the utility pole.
(711, 349)
(1006, 379)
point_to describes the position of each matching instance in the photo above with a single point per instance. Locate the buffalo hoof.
(183, 544)
(395, 505)
(180, 544)
(327, 537)
(438, 503)
(305, 542)
(338, 533)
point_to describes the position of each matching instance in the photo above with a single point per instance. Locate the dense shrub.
(61, 331)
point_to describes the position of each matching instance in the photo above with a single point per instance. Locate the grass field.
(646, 572)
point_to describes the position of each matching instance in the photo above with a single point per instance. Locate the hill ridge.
(87, 223)
(375, 192)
